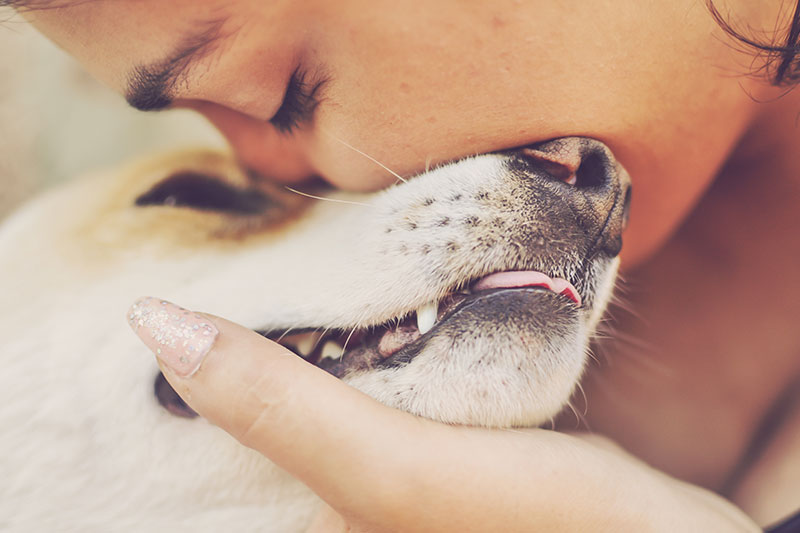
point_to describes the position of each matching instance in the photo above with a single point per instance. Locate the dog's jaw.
(512, 359)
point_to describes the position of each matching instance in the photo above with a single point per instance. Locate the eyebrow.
(150, 87)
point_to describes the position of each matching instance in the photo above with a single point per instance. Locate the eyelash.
(299, 102)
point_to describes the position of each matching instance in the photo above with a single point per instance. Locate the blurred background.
(58, 123)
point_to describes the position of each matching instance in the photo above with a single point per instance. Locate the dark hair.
(781, 58)
(23, 4)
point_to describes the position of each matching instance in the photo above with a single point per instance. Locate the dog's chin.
(499, 358)
(507, 357)
(494, 357)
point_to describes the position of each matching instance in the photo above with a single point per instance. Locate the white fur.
(85, 445)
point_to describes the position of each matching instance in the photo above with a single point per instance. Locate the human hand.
(379, 469)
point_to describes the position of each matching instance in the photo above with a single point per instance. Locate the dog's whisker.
(578, 418)
(585, 425)
(427, 163)
(620, 301)
(579, 386)
(640, 352)
(336, 200)
(353, 148)
(632, 341)
(591, 355)
(347, 340)
(285, 333)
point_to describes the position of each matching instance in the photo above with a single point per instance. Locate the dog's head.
(467, 294)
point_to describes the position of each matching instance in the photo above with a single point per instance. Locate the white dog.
(467, 295)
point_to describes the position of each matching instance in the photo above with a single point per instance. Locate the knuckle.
(259, 408)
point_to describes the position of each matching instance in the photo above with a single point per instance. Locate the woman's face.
(412, 84)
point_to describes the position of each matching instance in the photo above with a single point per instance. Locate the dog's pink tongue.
(528, 278)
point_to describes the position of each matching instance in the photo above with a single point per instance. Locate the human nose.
(259, 145)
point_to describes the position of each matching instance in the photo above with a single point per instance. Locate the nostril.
(578, 162)
(592, 171)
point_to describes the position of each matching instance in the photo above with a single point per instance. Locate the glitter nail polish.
(178, 337)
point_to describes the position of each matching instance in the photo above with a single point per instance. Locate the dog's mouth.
(392, 343)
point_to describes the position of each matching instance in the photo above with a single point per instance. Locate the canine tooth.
(306, 343)
(331, 350)
(426, 316)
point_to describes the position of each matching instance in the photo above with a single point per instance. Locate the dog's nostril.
(592, 171)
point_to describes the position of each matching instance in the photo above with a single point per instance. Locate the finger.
(305, 420)
(328, 521)
(373, 464)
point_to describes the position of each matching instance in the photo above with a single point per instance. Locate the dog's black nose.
(583, 173)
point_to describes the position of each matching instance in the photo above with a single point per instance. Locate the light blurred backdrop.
(57, 122)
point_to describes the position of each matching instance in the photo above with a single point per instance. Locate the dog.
(467, 294)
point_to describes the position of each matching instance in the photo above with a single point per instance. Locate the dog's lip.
(528, 278)
(490, 292)
(410, 351)
(369, 347)
(370, 354)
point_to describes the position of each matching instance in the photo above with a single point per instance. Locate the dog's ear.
(207, 192)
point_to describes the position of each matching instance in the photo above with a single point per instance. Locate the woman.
(309, 89)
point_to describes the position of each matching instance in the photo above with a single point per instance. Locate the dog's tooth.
(331, 350)
(426, 317)
(306, 343)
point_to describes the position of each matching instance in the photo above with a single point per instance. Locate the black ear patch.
(206, 193)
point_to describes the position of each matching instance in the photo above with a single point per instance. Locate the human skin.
(415, 84)
(708, 350)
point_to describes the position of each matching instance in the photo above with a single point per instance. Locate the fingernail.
(178, 337)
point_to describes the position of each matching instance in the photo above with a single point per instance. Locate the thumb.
(302, 418)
